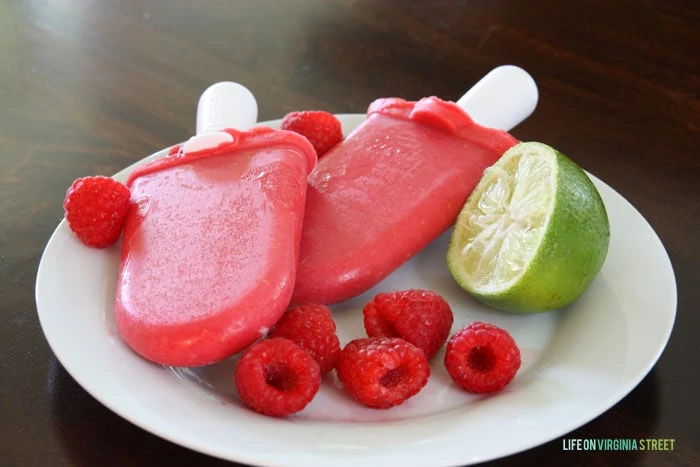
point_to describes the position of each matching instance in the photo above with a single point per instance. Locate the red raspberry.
(322, 129)
(312, 328)
(96, 208)
(382, 372)
(276, 377)
(420, 317)
(482, 358)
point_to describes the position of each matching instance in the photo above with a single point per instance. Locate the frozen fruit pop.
(211, 244)
(398, 181)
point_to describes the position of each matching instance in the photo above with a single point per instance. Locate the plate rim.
(245, 455)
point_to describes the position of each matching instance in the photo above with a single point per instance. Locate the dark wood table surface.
(91, 86)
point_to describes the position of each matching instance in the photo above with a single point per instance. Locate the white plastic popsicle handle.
(226, 105)
(502, 99)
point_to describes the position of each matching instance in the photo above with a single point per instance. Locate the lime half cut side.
(532, 235)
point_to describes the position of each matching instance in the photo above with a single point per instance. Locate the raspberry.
(382, 372)
(482, 358)
(312, 328)
(276, 377)
(420, 317)
(96, 208)
(322, 129)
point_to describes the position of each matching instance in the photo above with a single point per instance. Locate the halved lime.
(532, 235)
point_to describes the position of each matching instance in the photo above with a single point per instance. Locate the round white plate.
(577, 362)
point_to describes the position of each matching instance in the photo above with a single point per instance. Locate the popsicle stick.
(502, 99)
(226, 105)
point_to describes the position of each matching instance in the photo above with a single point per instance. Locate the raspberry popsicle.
(211, 244)
(398, 182)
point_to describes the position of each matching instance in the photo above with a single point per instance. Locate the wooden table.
(89, 87)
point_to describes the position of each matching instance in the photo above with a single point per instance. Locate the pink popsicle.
(211, 245)
(389, 189)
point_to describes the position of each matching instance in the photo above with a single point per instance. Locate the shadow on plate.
(640, 409)
(92, 435)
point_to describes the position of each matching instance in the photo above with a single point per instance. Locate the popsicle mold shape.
(211, 244)
(389, 189)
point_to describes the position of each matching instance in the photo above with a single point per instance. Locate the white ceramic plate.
(577, 362)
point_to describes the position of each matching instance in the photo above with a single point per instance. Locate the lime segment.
(533, 234)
